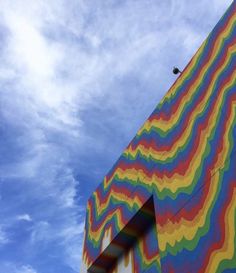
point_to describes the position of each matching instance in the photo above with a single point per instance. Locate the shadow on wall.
(126, 240)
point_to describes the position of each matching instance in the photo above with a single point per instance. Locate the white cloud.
(30, 50)
(70, 231)
(26, 269)
(33, 60)
(60, 76)
(3, 237)
(41, 232)
(24, 217)
(59, 58)
(14, 268)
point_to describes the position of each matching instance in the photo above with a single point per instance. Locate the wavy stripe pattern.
(184, 158)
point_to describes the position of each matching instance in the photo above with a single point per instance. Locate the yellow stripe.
(146, 260)
(122, 198)
(171, 233)
(165, 125)
(228, 249)
(173, 183)
(185, 227)
(185, 136)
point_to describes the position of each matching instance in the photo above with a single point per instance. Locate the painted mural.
(169, 202)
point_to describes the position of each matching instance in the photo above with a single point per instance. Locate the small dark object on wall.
(176, 70)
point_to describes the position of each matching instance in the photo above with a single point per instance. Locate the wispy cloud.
(26, 269)
(24, 217)
(77, 79)
(3, 237)
(13, 268)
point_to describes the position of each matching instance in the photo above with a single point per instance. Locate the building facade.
(169, 202)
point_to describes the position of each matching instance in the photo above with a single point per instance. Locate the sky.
(77, 80)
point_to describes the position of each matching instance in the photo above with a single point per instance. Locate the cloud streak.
(77, 79)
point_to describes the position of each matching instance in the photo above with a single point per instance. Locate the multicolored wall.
(169, 202)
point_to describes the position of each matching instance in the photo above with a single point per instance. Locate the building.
(169, 202)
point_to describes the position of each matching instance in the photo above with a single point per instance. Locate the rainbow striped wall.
(169, 202)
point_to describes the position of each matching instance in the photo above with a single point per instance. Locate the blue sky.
(77, 80)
